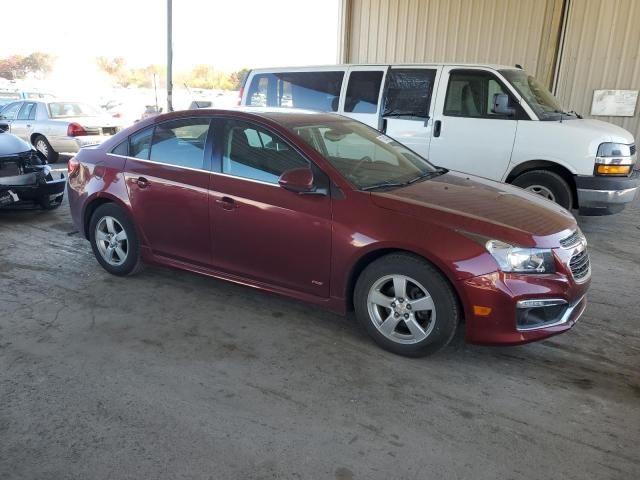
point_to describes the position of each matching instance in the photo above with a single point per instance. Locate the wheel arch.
(371, 256)
(549, 165)
(93, 204)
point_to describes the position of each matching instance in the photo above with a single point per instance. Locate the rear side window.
(408, 92)
(140, 143)
(121, 149)
(27, 112)
(253, 153)
(470, 94)
(363, 92)
(180, 142)
(310, 90)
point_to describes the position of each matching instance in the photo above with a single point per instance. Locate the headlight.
(521, 260)
(615, 159)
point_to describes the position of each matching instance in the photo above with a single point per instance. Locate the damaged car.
(25, 177)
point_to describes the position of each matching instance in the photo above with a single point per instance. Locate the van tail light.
(240, 93)
(73, 167)
(75, 130)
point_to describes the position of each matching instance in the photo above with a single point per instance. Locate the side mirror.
(298, 180)
(501, 105)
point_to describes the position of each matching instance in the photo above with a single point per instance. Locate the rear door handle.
(143, 182)
(437, 126)
(227, 203)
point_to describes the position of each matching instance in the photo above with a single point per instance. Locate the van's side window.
(310, 90)
(470, 94)
(363, 92)
(409, 92)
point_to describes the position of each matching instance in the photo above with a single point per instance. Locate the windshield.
(367, 158)
(543, 103)
(72, 109)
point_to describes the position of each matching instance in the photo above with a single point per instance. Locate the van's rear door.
(407, 107)
(362, 93)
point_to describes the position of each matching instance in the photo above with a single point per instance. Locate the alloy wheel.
(112, 241)
(542, 191)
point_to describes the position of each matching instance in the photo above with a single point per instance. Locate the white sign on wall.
(614, 103)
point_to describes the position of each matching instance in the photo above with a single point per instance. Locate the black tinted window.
(363, 92)
(254, 153)
(180, 142)
(470, 94)
(409, 92)
(139, 144)
(121, 149)
(27, 112)
(311, 90)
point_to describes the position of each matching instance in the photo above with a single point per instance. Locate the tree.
(237, 78)
(18, 67)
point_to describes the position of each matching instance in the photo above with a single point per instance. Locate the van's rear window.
(309, 90)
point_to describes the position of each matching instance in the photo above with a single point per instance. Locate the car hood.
(11, 145)
(604, 131)
(482, 207)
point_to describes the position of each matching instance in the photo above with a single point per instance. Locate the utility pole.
(169, 58)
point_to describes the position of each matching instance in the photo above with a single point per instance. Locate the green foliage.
(18, 67)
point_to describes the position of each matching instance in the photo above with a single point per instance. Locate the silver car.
(57, 126)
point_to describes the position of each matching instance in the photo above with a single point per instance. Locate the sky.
(227, 34)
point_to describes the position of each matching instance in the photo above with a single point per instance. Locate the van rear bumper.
(606, 195)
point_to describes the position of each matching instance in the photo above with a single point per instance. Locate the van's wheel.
(547, 184)
(44, 147)
(114, 240)
(406, 305)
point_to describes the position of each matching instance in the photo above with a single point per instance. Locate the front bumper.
(30, 188)
(502, 292)
(606, 195)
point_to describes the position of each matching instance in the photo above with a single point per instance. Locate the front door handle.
(437, 126)
(227, 203)
(143, 182)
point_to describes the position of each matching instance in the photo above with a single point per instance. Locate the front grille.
(572, 240)
(632, 149)
(580, 265)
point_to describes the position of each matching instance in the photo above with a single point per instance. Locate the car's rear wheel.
(406, 305)
(114, 240)
(44, 147)
(547, 184)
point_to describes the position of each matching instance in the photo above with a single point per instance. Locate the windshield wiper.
(422, 176)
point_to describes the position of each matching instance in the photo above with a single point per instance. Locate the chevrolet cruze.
(324, 209)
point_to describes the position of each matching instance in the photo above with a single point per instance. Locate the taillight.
(75, 130)
(73, 167)
(240, 95)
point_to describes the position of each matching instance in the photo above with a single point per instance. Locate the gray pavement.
(171, 375)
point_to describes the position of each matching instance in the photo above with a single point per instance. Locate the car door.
(467, 135)
(22, 126)
(260, 230)
(9, 113)
(407, 109)
(361, 97)
(167, 175)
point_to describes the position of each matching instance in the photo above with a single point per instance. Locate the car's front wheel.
(406, 305)
(114, 240)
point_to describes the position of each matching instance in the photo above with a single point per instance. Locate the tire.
(105, 227)
(47, 204)
(375, 301)
(547, 184)
(43, 145)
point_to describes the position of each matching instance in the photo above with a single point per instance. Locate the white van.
(493, 121)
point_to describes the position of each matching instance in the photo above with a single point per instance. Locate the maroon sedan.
(327, 210)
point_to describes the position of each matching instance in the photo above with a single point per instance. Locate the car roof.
(393, 65)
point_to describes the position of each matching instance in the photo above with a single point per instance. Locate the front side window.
(309, 90)
(10, 111)
(364, 156)
(471, 94)
(140, 143)
(254, 153)
(409, 93)
(121, 149)
(27, 112)
(180, 142)
(363, 92)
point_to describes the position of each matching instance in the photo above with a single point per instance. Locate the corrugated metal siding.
(601, 51)
(471, 31)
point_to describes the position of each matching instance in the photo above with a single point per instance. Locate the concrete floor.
(170, 375)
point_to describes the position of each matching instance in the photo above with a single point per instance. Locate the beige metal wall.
(472, 31)
(601, 51)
